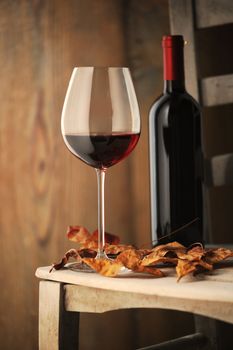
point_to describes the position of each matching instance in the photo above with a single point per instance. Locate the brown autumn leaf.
(154, 259)
(109, 237)
(131, 258)
(144, 251)
(169, 253)
(164, 253)
(213, 256)
(87, 253)
(185, 267)
(114, 249)
(169, 250)
(82, 236)
(194, 253)
(78, 234)
(92, 243)
(72, 253)
(148, 269)
(105, 267)
(89, 244)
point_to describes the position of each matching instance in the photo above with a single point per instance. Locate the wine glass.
(100, 124)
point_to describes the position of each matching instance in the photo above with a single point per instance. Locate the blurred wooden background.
(43, 188)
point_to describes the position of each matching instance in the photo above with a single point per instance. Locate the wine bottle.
(175, 154)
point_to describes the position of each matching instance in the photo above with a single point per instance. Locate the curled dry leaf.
(89, 244)
(112, 249)
(185, 267)
(153, 259)
(87, 253)
(193, 254)
(105, 267)
(132, 259)
(213, 256)
(169, 250)
(78, 234)
(144, 252)
(82, 236)
(109, 237)
(72, 253)
(164, 253)
(151, 270)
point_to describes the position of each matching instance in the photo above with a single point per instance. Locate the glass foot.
(79, 267)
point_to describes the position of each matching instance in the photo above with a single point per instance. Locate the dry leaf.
(170, 249)
(78, 234)
(87, 253)
(105, 267)
(112, 249)
(132, 258)
(154, 259)
(109, 237)
(193, 254)
(72, 253)
(90, 244)
(185, 267)
(151, 270)
(82, 236)
(213, 256)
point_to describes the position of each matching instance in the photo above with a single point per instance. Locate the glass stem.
(101, 217)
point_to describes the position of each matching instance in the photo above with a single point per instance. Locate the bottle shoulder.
(170, 103)
(193, 101)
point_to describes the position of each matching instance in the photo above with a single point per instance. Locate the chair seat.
(209, 294)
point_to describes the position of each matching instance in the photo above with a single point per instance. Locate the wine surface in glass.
(101, 151)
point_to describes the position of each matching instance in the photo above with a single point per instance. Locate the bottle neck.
(174, 86)
(173, 64)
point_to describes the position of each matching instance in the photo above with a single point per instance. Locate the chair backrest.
(190, 18)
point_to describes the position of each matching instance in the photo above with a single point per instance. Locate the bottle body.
(175, 166)
(175, 169)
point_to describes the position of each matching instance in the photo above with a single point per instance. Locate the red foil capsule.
(173, 57)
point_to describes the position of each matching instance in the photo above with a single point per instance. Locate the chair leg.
(58, 328)
(208, 327)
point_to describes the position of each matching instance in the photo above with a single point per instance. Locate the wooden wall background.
(43, 188)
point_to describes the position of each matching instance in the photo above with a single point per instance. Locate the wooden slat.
(217, 90)
(86, 299)
(95, 293)
(182, 22)
(213, 12)
(219, 170)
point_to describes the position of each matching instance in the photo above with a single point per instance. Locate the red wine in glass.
(101, 151)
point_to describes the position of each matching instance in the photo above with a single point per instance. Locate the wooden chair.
(65, 293)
